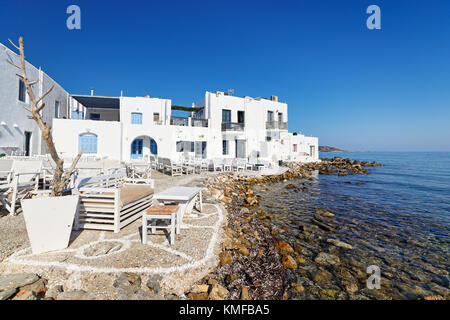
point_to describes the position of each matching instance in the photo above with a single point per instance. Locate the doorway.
(137, 148)
(27, 147)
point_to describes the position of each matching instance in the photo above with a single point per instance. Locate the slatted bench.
(111, 202)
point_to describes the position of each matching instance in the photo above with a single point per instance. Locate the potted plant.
(49, 218)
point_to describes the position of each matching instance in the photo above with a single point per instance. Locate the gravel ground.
(63, 267)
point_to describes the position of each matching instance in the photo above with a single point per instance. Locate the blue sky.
(352, 87)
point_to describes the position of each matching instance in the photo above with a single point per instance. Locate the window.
(153, 147)
(56, 109)
(156, 117)
(241, 117)
(269, 116)
(226, 115)
(180, 146)
(89, 142)
(22, 90)
(95, 116)
(295, 147)
(192, 146)
(280, 117)
(136, 118)
(77, 115)
(224, 147)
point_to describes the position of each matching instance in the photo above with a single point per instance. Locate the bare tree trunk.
(61, 178)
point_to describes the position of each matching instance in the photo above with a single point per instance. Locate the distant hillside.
(332, 149)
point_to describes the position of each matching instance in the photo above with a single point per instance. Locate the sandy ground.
(82, 266)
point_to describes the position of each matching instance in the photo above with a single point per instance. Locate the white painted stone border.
(21, 259)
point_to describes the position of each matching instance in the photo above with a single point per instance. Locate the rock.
(25, 295)
(213, 281)
(227, 200)
(290, 186)
(283, 247)
(350, 286)
(7, 293)
(229, 278)
(340, 244)
(218, 292)
(38, 287)
(225, 257)
(198, 296)
(245, 210)
(244, 294)
(434, 298)
(298, 287)
(102, 248)
(289, 262)
(74, 295)
(200, 288)
(326, 214)
(322, 276)
(243, 250)
(128, 281)
(327, 259)
(13, 281)
(153, 283)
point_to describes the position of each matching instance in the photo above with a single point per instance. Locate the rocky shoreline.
(258, 262)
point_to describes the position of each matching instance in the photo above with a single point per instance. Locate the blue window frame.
(136, 148)
(136, 118)
(89, 142)
(226, 116)
(77, 115)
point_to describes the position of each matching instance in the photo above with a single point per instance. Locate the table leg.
(200, 200)
(180, 214)
(144, 229)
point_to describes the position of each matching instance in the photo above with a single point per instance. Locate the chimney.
(92, 91)
(273, 98)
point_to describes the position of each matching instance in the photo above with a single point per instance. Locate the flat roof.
(98, 102)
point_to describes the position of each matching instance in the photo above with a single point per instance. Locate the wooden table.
(184, 197)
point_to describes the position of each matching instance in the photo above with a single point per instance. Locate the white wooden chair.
(227, 164)
(239, 164)
(173, 168)
(217, 164)
(24, 178)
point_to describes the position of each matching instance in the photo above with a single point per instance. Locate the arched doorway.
(143, 146)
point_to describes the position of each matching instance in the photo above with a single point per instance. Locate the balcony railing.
(232, 126)
(179, 121)
(199, 122)
(276, 125)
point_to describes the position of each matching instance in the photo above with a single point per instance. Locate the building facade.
(19, 134)
(219, 126)
(125, 128)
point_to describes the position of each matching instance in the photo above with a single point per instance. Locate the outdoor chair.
(217, 164)
(23, 179)
(172, 168)
(227, 164)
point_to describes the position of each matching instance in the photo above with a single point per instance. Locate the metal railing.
(179, 121)
(199, 122)
(276, 125)
(233, 126)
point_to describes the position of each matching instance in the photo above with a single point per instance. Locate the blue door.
(136, 149)
(153, 147)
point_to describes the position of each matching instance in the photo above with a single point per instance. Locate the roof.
(98, 102)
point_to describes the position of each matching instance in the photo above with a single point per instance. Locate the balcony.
(271, 125)
(233, 126)
(179, 121)
(193, 122)
(199, 122)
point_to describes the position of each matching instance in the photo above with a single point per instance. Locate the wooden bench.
(160, 212)
(111, 202)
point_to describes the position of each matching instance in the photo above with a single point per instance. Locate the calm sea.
(396, 217)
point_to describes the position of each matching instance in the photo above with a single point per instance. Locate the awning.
(98, 102)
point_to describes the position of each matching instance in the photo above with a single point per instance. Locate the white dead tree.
(61, 178)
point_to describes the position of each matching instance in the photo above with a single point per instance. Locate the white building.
(19, 134)
(220, 126)
(123, 128)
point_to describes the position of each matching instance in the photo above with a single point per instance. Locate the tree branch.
(13, 64)
(45, 94)
(14, 44)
